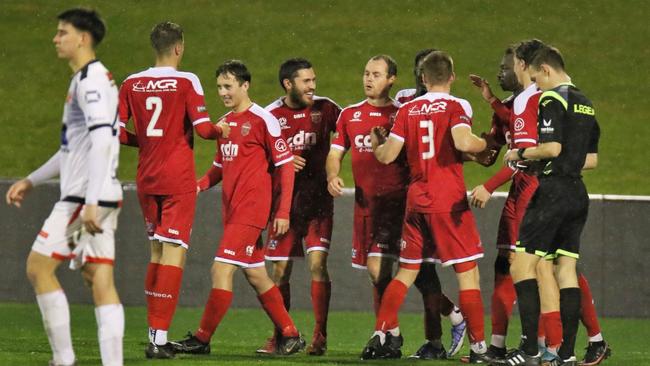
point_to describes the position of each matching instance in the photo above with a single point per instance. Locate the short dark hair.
(420, 55)
(289, 69)
(526, 49)
(510, 50)
(164, 36)
(390, 63)
(548, 55)
(236, 68)
(437, 67)
(85, 20)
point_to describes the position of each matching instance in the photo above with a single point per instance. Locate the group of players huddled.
(279, 168)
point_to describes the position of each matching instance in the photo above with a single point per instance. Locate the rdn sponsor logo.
(151, 85)
(229, 151)
(363, 143)
(302, 140)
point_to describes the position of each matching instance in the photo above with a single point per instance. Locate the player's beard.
(296, 98)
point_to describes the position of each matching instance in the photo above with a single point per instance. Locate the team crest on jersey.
(273, 244)
(280, 145)
(245, 128)
(356, 117)
(316, 117)
(249, 250)
(519, 124)
(162, 85)
(283, 123)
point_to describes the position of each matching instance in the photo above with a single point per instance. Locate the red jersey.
(165, 104)
(500, 127)
(372, 179)
(405, 96)
(523, 119)
(254, 144)
(307, 131)
(436, 167)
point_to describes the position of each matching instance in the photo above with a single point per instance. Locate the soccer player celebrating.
(165, 105)
(518, 130)
(435, 302)
(82, 224)
(307, 121)
(439, 226)
(243, 161)
(380, 190)
(553, 222)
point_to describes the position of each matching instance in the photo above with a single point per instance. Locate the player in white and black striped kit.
(82, 223)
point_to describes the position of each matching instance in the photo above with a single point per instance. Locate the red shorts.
(241, 245)
(169, 218)
(376, 236)
(447, 238)
(522, 189)
(316, 233)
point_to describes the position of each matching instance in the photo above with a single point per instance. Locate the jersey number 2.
(155, 104)
(428, 139)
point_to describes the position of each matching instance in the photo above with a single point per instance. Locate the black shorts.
(555, 218)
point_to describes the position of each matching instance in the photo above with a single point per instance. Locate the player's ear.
(392, 79)
(286, 83)
(452, 77)
(245, 85)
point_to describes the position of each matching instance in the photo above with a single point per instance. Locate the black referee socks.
(529, 308)
(570, 312)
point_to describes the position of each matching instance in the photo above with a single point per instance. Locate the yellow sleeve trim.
(554, 95)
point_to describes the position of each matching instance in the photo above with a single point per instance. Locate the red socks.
(588, 313)
(320, 300)
(552, 323)
(503, 300)
(471, 305)
(272, 303)
(215, 309)
(378, 290)
(391, 302)
(432, 326)
(163, 295)
(149, 282)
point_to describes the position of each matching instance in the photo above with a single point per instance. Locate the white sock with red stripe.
(56, 320)
(110, 331)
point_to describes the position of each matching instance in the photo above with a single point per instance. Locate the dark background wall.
(614, 256)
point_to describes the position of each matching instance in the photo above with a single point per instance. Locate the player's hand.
(89, 219)
(378, 136)
(479, 196)
(511, 155)
(335, 186)
(299, 163)
(280, 226)
(225, 128)
(17, 192)
(484, 86)
(486, 157)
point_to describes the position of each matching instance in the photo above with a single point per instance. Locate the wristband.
(520, 153)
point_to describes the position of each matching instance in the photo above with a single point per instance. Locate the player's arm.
(386, 149)
(19, 190)
(198, 113)
(482, 193)
(285, 176)
(465, 141)
(335, 183)
(591, 160)
(213, 176)
(127, 137)
(205, 129)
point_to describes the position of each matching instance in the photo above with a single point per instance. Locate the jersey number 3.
(155, 104)
(427, 139)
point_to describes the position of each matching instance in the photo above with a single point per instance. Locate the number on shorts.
(428, 139)
(154, 103)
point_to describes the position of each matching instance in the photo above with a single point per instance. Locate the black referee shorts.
(555, 218)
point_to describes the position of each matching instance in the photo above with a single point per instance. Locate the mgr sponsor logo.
(302, 140)
(436, 107)
(162, 85)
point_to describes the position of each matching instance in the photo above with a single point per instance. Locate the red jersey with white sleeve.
(165, 104)
(254, 144)
(307, 131)
(405, 95)
(436, 166)
(523, 120)
(372, 179)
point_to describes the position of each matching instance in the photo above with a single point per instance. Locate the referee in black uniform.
(551, 228)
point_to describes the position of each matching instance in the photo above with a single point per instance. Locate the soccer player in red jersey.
(380, 190)
(243, 162)
(307, 121)
(165, 105)
(439, 226)
(435, 302)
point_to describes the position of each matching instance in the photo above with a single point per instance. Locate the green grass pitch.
(23, 341)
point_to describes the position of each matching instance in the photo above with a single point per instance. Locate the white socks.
(597, 338)
(478, 347)
(56, 320)
(456, 317)
(498, 341)
(158, 336)
(110, 331)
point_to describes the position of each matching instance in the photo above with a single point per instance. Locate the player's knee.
(468, 275)
(427, 280)
(318, 268)
(35, 271)
(282, 272)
